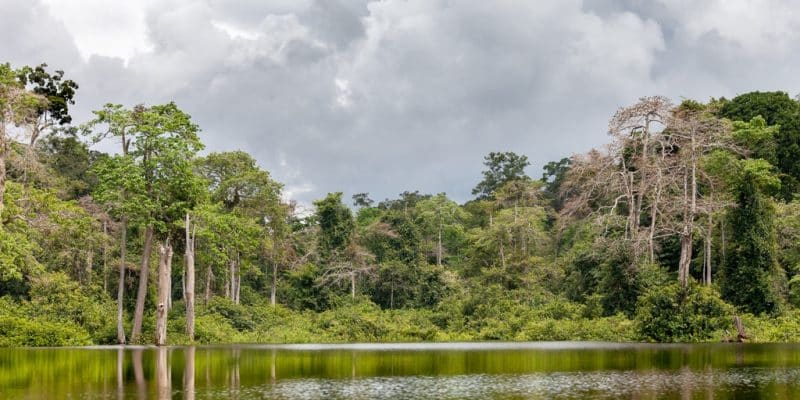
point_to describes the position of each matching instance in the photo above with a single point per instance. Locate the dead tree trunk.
(741, 335)
(189, 280)
(238, 280)
(141, 294)
(3, 154)
(121, 286)
(89, 262)
(164, 266)
(690, 210)
(229, 283)
(273, 294)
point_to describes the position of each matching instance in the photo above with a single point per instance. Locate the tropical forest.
(125, 229)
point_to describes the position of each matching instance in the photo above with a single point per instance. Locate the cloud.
(387, 96)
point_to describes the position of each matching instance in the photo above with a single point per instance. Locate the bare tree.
(189, 277)
(696, 134)
(164, 271)
(354, 262)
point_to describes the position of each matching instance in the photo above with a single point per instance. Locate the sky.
(394, 95)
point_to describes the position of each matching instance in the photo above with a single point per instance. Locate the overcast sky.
(394, 95)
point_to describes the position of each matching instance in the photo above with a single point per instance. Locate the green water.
(412, 371)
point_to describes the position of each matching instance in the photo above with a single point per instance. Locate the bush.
(17, 331)
(236, 314)
(676, 314)
(214, 329)
(357, 323)
(794, 291)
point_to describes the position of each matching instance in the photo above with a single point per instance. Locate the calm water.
(414, 371)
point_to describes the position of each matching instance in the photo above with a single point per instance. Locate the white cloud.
(104, 28)
(386, 96)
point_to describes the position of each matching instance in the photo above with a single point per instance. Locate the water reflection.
(571, 371)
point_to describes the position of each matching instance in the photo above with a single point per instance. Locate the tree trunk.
(741, 334)
(707, 253)
(121, 286)
(690, 201)
(654, 219)
(105, 257)
(439, 247)
(238, 279)
(89, 262)
(229, 283)
(189, 283)
(141, 294)
(722, 240)
(3, 154)
(502, 255)
(353, 285)
(273, 294)
(164, 266)
(209, 278)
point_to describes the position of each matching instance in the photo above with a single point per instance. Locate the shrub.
(17, 331)
(676, 314)
(236, 314)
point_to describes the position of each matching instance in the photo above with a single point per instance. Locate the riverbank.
(221, 321)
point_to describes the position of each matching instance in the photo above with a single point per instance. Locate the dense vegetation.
(687, 218)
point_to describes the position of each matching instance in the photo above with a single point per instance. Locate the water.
(563, 370)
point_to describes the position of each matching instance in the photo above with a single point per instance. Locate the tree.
(120, 186)
(18, 107)
(439, 219)
(696, 133)
(237, 182)
(362, 200)
(336, 226)
(553, 176)
(747, 274)
(164, 141)
(777, 109)
(58, 92)
(502, 168)
(162, 305)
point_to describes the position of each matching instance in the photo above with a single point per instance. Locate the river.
(541, 370)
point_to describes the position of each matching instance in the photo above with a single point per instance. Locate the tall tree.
(502, 168)
(120, 186)
(696, 133)
(748, 272)
(18, 107)
(778, 109)
(58, 92)
(159, 143)
(336, 224)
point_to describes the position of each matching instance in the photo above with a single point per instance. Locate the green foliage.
(58, 91)
(776, 108)
(502, 168)
(55, 297)
(336, 225)
(677, 314)
(749, 272)
(549, 259)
